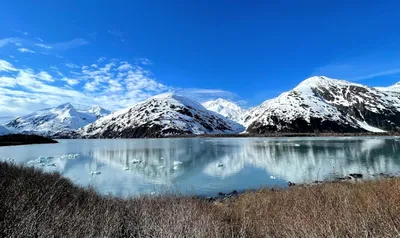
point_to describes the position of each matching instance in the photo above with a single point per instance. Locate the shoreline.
(22, 139)
(269, 135)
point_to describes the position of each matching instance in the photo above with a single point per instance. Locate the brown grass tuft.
(37, 204)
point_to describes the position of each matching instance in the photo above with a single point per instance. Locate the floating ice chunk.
(220, 165)
(152, 193)
(272, 177)
(161, 158)
(175, 167)
(95, 172)
(161, 167)
(7, 160)
(41, 158)
(176, 163)
(135, 161)
(126, 168)
(296, 145)
(73, 156)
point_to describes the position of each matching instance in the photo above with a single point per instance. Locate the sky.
(117, 53)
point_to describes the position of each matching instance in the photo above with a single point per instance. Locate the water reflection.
(207, 166)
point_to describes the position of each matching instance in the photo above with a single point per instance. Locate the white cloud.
(25, 50)
(71, 65)
(7, 82)
(6, 41)
(6, 66)
(24, 90)
(45, 76)
(125, 67)
(41, 45)
(70, 81)
(39, 39)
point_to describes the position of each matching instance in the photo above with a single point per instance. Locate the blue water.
(206, 166)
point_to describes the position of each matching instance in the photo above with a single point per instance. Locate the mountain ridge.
(63, 118)
(322, 104)
(158, 116)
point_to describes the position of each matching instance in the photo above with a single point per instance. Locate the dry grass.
(35, 204)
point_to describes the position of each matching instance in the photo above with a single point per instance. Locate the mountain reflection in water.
(207, 166)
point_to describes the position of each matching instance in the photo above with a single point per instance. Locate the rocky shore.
(22, 139)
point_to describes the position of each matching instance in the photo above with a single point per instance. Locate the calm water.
(208, 166)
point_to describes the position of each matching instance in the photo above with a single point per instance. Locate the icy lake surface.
(206, 166)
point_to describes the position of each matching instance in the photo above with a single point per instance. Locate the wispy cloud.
(117, 34)
(93, 35)
(74, 43)
(41, 45)
(11, 40)
(22, 32)
(143, 61)
(71, 65)
(363, 67)
(43, 75)
(25, 50)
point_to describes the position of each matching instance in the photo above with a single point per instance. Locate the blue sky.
(116, 53)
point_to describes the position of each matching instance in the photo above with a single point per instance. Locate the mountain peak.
(65, 106)
(161, 115)
(227, 109)
(317, 80)
(177, 99)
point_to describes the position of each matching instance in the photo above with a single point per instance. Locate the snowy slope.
(162, 115)
(98, 111)
(321, 104)
(3, 131)
(50, 121)
(227, 109)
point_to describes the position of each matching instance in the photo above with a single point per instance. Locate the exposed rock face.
(160, 116)
(321, 104)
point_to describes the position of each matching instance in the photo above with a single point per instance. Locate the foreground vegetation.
(37, 204)
(22, 139)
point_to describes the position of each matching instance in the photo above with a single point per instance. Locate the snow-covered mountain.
(98, 111)
(162, 115)
(51, 121)
(3, 131)
(321, 104)
(227, 109)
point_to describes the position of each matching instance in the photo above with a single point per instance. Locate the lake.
(206, 166)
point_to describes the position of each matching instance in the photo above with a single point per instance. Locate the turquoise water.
(206, 166)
